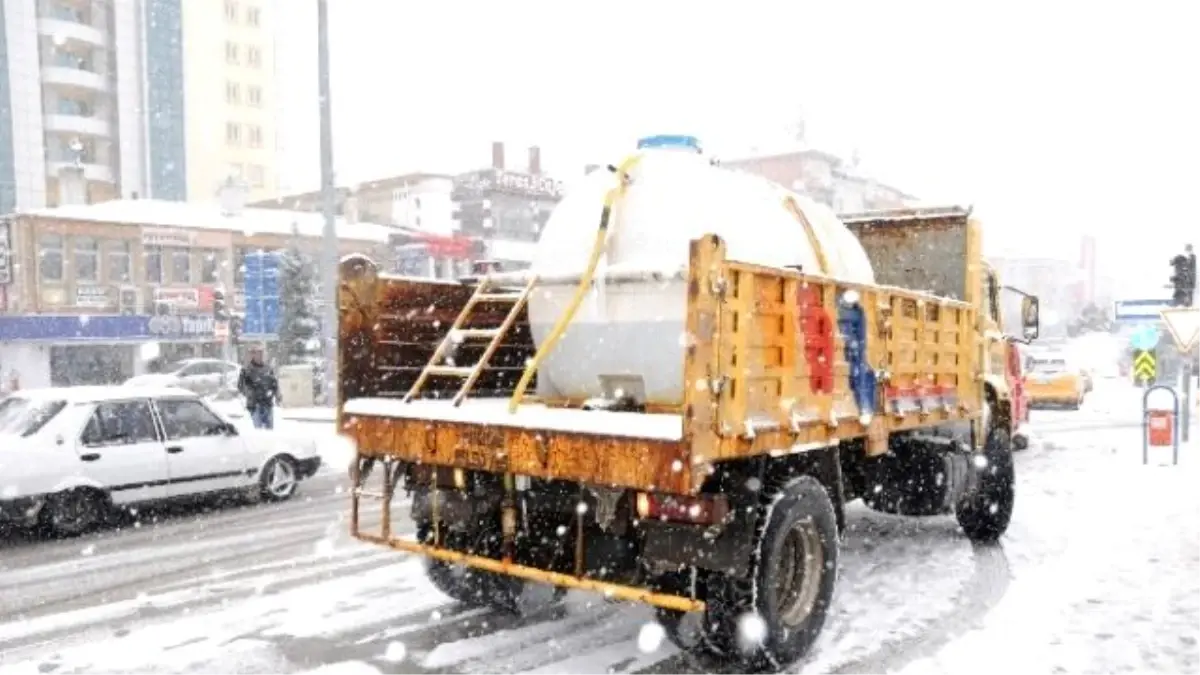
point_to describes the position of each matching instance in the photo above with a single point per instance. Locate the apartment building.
(88, 285)
(824, 177)
(230, 109)
(495, 213)
(71, 101)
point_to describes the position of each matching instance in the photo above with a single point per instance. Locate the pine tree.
(298, 325)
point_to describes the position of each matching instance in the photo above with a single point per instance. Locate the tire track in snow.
(982, 592)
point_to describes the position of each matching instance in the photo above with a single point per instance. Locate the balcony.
(79, 125)
(92, 172)
(76, 79)
(65, 32)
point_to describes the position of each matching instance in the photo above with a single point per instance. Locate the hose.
(585, 281)
(790, 204)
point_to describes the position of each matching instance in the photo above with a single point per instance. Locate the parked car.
(69, 454)
(202, 376)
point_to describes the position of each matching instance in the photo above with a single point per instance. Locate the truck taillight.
(700, 510)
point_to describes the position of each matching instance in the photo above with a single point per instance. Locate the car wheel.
(279, 479)
(73, 512)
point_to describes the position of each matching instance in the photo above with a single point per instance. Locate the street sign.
(1144, 338)
(1184, 324)
(1139, 310)
(1144, 366)
(262, 293)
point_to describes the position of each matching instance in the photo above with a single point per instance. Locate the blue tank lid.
(669, 141)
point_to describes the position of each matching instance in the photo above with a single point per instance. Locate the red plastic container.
(1160, 427)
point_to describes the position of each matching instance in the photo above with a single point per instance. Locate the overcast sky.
(1051, 118)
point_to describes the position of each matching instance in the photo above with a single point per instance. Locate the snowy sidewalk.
(328, 414)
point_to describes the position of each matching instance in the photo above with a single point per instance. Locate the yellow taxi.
(1052, 380)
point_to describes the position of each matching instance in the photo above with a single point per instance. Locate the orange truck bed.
(756, 383)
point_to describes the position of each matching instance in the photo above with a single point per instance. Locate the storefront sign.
(179, 298)
(164, 237)
(93, 296)
(104, 328)
(168, 326)
(524, 184)
(5, 253)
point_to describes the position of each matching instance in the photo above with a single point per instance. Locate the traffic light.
(1183, 281)
(220, 311)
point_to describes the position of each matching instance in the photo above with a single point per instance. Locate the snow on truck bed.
(494, 412)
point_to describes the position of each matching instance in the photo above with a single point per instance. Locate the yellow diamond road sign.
(1143, 365)
(1184, 324)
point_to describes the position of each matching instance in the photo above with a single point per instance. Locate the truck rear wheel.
(766, 622)
(984, 515)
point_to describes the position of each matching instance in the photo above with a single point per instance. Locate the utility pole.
(329, 253)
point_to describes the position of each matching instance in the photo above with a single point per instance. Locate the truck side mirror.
(1029, 318)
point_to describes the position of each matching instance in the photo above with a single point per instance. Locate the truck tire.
(771, 620)
(984, 515)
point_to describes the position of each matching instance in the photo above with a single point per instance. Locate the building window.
(254, 96)
(210, 266)
(257, 175)
(73, 106)
(253, 57)
(50, 257)
(233, 93)
(64, 58)
(231, 10)
(154, 264)
(253, 16)
(233, 133)
(255, 136)
(181, 266)
(231, 53)
(120, 262)
(66, 12)
(87, 259)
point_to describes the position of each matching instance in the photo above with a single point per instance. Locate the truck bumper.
(618, 591)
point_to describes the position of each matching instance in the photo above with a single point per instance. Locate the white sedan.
(68, 454)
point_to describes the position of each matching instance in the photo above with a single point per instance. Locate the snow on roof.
(208, 216)
(91, 394)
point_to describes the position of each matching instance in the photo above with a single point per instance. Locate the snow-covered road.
(1100, 572)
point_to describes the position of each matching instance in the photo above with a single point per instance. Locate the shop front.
(60, 350)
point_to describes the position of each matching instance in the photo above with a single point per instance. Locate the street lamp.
(329, 261)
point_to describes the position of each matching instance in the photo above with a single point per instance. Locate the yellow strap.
(610, 199)
(790, 204)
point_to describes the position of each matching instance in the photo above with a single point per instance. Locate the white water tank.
(630, 332)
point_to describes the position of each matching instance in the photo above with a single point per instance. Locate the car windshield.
(24, 417)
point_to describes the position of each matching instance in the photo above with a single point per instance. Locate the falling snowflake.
(650, 637)
(752, 631)
(88, 550)
(395, 652)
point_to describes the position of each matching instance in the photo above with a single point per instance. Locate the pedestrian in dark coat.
(258, 384)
